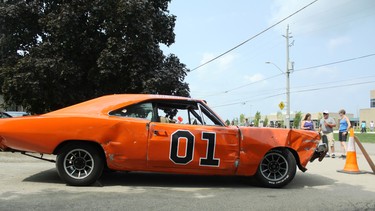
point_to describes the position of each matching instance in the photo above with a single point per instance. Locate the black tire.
(277, 168)
(79, 164)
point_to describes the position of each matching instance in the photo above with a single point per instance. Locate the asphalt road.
(29, 184)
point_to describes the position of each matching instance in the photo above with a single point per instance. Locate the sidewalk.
(337, 163)
(356, 132)
(369, 147)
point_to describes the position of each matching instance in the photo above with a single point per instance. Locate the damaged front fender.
(257, 142)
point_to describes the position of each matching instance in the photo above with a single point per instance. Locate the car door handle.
(160, 133)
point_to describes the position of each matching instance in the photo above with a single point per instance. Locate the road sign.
(281, 105)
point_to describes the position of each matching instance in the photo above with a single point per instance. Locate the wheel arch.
(296, 157)
(58, 149)
(294, 153)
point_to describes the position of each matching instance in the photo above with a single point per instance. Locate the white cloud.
(254, 78)
(321, 16)
(337, 42)
(326, 71)
(206, 57)
(221, 64)
(226, 61)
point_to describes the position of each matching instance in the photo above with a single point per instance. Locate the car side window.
(141, 110)
(185, 113)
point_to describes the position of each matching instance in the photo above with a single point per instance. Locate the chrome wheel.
(78, 164)
(274, 166)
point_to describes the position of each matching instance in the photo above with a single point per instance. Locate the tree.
(265, 123)
(227, 122)
(280, 120)
(257, 118)
(57, 53)
(242, 118)
(297, 119)
(235, 121)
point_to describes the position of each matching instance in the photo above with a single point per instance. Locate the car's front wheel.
(277, 168)
(79, 164)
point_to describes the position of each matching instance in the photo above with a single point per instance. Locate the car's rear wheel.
(79, 164)
(277, 168)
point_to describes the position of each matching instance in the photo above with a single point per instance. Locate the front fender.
(256, 142)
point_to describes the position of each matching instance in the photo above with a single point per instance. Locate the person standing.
(327, 124)
(343, 131)
(247, 123)
(306, 123)
(372, 126)
(363, 127)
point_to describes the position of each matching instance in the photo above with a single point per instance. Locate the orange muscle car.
(156, 133)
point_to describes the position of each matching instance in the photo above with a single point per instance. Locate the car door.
(192, 148)
(129, 136)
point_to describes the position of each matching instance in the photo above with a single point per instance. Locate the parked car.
(17, 113)
(158, 133)
(5, 115)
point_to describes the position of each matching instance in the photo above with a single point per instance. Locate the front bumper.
(320, 152)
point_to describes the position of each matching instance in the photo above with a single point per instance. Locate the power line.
(251, 38)
(302, 69)
(265, 92)
(246, 101)
(239, 87)
(300, 91)
(337, 81)
(337, 62)
(331, 87)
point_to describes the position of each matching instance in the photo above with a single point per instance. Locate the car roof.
(107, 103)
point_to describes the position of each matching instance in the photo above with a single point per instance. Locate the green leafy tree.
(235, 121)
(57, 53)
(297, 119)
(265, 122)
(242, 118)
(257, 119)
(227, 122)
(280, 119)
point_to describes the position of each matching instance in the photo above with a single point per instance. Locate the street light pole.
(287, 122)
(276, 66)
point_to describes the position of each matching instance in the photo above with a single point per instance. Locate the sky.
(241, 82)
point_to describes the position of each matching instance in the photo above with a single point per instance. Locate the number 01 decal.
(209, 160)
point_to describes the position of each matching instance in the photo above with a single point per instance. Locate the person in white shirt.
(327, 124)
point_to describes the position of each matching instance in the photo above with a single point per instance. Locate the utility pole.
(287, 73)
(289, 67)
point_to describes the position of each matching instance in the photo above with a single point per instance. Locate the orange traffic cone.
(351, 166)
